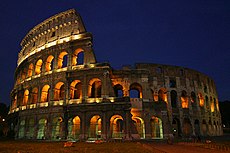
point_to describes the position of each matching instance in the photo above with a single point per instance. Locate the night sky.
(189, 33)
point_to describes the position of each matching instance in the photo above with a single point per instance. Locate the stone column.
(104, 133)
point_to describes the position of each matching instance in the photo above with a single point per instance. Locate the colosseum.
(62, 93)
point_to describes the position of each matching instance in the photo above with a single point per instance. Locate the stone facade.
(61, 92)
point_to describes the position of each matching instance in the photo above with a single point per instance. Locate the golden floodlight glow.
(50, 44)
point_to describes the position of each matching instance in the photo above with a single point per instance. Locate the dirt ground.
(219, 145)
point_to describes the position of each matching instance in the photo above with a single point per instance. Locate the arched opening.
(201, 99)
(207, 103)
(59, 91)
(49, 63)
(24, 74)
(217, 104)
(78, 57)
(184, 99)
(155, 95)
(95, 127)
(214, 128)
(38, 67)
(173, 96)
(156, 128)
(62, 60)
(56, 128)
(76, 89)
(34, 99)
(41, 128)
(21, 132)
(45, 93)
(74, 128)
(135, 90)
(30, 70)
(140, 126)
(26, 97)
(162, 95)
(210, 131)
(14, 104)
(116, 126)
(118, 90)
(197, 127)
(20, 98)
(193, 99)
(94, 88)
(212, 105)
(204, 127)
(187, 127)
(176, 127)
(30, 133)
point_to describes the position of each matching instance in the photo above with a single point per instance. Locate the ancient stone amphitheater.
(61, 92)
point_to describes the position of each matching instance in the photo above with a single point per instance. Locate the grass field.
(77, 147)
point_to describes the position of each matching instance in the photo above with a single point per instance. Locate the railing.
(56, 103)
(136, 102)
(75, 101)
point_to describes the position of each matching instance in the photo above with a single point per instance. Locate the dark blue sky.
(193, 34)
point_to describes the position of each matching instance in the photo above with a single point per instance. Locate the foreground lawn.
(78, 147)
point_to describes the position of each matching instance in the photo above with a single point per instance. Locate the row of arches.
(94, 128)
(50, 63)
(59, 91)
(195, 99)
(200, 128)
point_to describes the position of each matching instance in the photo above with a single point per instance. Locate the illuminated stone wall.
(61, 92)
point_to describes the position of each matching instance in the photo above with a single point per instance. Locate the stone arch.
(214, 128)
(140, 126)
(76, 89)
(174, 100)
(197, 127)
(30, 70)
(59, 91)
(207, 102)
(45, 93)
(56, 128)
(210, 130)
(34, 96)
(62, 60)
(95, 127)
(154, 95)
(94, 90)
(24, 74)
(21, 131)
(77, 59)
(49, 63)
(26, 97)
(162, 95)
(204, 127)
(20, 95)
(14, 104)
(38, 67)
(74, 128)
(30, 127)
(118, 90)
(135, 90)
(42, 124)
(184, 99)
(156, 128)
(201, 100)
(187, 127)
(212, 105)
(176, 127)
(117, 126)
(193, 99)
